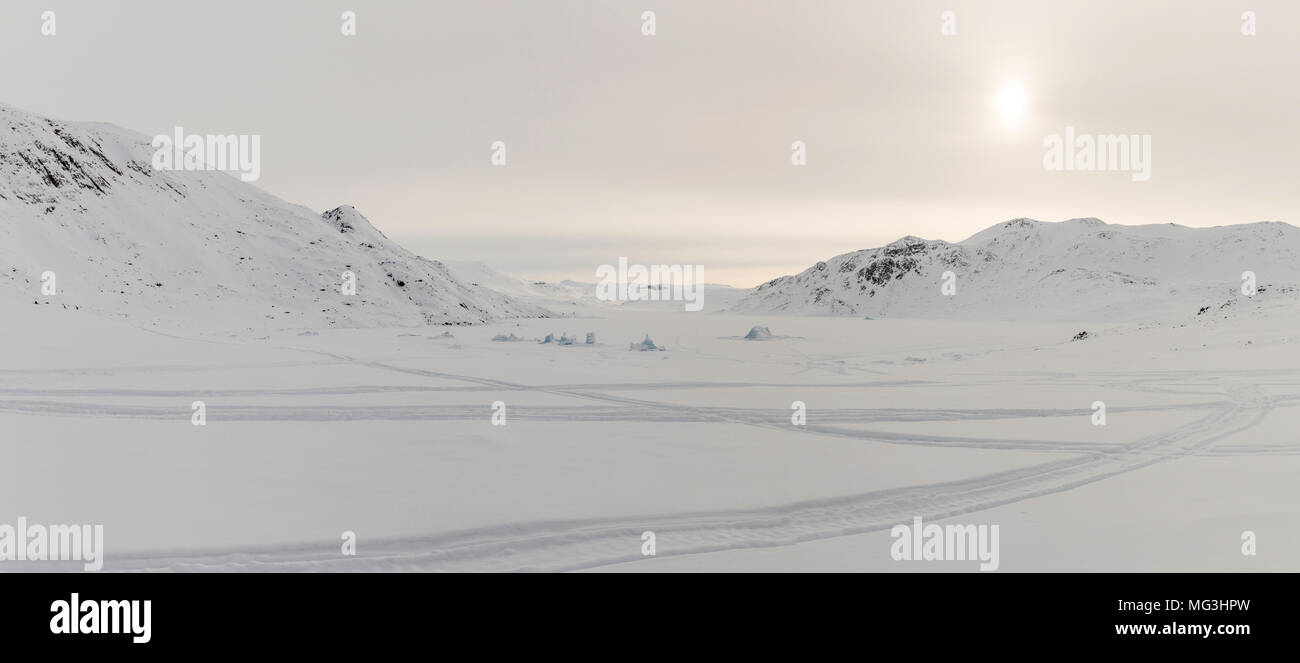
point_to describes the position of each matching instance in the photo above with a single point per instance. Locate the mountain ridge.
(1029, 269)
(179, 247)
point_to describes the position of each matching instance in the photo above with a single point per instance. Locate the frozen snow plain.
(387, 432)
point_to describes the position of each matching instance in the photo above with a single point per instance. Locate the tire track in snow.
(386, 389)
(563, 545)
(663, 412)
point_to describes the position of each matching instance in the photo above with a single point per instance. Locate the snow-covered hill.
(200, 249)
(1081, 269)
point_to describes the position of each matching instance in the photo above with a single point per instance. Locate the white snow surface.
(387, 432)
(201, 249)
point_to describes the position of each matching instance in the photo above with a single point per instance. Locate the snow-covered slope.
(200, 249)
(1025, 269)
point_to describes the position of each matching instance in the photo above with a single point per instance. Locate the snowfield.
(387, 433)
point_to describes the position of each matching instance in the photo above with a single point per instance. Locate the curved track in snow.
(560, 545)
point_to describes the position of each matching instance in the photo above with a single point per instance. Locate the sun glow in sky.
(1012, 104)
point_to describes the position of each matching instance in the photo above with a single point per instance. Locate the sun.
(1011, 103)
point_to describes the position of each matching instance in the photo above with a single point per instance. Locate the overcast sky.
(676, 148)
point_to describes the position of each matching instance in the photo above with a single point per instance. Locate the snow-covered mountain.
(570, 297)
(546, 293)
(200, 248)
(1081, 269)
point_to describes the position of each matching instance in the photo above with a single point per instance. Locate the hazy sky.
(676, 148)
